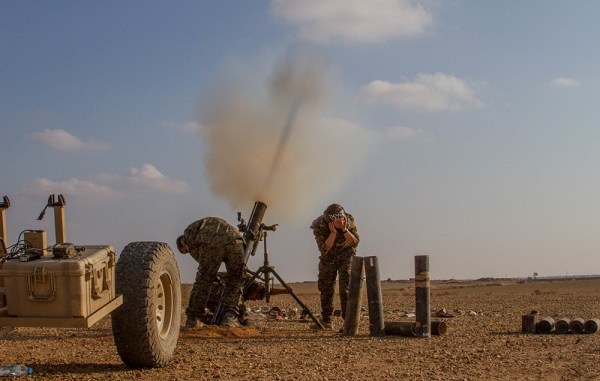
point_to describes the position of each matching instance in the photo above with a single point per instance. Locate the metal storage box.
(60, 292)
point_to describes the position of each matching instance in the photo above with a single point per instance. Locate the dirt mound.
(215, 331)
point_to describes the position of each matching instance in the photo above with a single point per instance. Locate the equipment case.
(70, 292)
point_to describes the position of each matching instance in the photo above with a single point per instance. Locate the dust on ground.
(483, 340)
(218, 332)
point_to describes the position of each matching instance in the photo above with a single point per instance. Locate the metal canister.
(562, 325)
(545, 325)
(577, 325)
(528, 322)
(592, 326)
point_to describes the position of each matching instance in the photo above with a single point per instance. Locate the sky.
(464, 130)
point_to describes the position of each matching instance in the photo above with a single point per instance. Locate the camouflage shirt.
(213, 229)
(320, 228)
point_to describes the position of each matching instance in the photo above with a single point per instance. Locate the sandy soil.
(483, 341)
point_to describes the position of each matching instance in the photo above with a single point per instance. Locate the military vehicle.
(66, 285)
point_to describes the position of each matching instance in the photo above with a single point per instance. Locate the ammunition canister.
(376, 323)
(407, 328)
(400, 328)
(577, 325)
(528, 323)
(439, 328)
(422, 297)
(546, 325)
(562, 325)
(592, 325)
(354, 297)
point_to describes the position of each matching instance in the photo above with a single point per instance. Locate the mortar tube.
(251, 233)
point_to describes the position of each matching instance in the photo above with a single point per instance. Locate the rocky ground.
(483, 341)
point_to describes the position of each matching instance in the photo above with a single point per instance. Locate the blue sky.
(464, 130)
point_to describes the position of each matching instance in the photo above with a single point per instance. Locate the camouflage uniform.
(252, 291)
(212, 241)
(337, 259)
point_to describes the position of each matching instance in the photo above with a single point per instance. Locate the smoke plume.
(268, 140)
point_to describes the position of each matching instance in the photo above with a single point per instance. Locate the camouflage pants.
(210, 257)
(330, 265)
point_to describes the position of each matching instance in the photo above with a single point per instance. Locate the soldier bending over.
(212, 241)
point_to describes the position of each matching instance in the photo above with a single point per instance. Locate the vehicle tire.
(146, 326)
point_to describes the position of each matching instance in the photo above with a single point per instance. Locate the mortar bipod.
(266, 270)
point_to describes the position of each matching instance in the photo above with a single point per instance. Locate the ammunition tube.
(400, 328)
(562, 325)
(592, 326)
(528, 322)
(546, 325)
(422, 294)
(577, 325)
(352, 317)
(376, 324)
(407, 328)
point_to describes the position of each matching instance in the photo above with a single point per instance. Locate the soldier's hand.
(340, 223)
(332, 226)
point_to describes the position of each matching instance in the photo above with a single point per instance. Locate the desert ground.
(483, 340)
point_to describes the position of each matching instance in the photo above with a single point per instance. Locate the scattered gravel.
(483, 341)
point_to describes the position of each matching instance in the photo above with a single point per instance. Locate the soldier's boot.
(230, 320)
(245, 320)
(192, 321)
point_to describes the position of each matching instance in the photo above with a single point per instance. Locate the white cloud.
(360, 21)
(403, 133)
(430, 93)
(61, 140)
(75, 188)
(150, 178)
(109, 187)
(565, 82)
